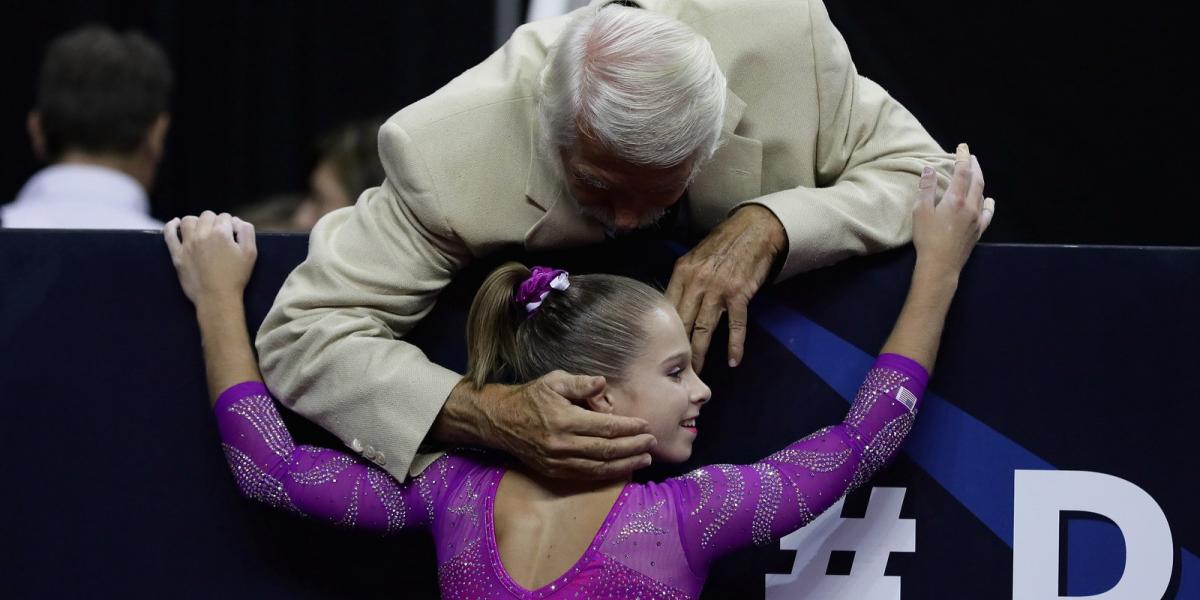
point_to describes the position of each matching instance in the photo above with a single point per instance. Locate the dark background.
(255, 82)
(1083, 113)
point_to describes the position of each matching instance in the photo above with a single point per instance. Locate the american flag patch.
(906, 398)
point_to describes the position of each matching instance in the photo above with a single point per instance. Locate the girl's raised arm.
(726, 507)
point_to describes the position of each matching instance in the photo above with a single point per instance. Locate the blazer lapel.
(734, 174)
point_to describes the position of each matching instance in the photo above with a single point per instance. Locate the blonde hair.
(594, 327)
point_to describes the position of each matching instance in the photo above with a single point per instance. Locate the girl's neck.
(542, 487)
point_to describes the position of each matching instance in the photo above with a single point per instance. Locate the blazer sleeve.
(868, 160)
(331, 345)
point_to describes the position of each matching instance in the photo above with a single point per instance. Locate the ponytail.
(593, 327)
(492, 325)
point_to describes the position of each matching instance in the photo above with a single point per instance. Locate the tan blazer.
(828, 151)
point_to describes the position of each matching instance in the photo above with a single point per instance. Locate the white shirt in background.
(74, 196)
(545, 9)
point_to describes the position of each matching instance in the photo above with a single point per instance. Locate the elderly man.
(746, 117)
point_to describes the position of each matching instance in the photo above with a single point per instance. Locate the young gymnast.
(504, 531)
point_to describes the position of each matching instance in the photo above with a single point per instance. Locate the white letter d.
(1038, 499)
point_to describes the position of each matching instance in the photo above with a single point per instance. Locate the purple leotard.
(659, 538)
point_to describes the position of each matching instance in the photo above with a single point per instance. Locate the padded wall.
(1054, 358)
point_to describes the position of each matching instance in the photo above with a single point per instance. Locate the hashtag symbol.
(872, 539)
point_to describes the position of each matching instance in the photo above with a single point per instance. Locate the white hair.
(644, 85)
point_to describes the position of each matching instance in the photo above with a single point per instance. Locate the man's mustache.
(607, 217)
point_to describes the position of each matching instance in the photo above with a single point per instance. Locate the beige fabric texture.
(828, 151)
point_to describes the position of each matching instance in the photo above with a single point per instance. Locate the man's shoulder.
(474, 160)
(473, 139)
(474, 136)
(502, 90)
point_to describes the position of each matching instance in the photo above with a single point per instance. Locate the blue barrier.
(1078, 359)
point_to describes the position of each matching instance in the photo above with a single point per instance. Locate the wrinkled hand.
(721, 274)
(944, 232)
(207, 258)
(539, 424)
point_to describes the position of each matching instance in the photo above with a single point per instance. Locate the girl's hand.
(210, 262)
(944, 232)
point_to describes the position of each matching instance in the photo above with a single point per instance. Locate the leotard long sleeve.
(659, 539)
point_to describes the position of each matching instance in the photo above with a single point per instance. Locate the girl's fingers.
(223, 225)
(975, 193)
(985, 215)
(188, 227)
(237, 224)
(245, 235)
(961, 180)
(204, 227)
(926, 195)
(171, 233)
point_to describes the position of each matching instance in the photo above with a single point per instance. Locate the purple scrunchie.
(534, 290)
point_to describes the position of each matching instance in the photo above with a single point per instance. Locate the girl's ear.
(601, 403)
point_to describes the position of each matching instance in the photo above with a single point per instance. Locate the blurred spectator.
(100, 121)
(347, 163)
(274, 213)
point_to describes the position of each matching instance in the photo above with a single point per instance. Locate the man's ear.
(156, 137)
(601, 403)
(37, 136)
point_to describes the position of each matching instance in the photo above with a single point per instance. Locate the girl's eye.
(675, 373)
